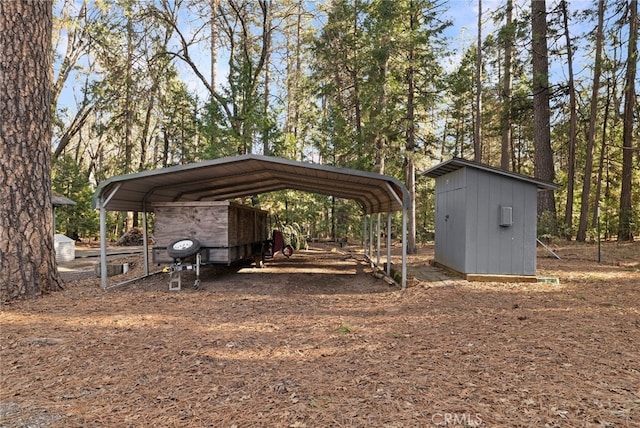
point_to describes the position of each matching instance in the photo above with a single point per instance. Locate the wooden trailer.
(227, 232)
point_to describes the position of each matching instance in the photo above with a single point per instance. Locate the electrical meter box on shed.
(486, 219)
(227, 232)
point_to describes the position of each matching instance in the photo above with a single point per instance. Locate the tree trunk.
(267, 93)
(505, 156)
(626, 211)
(27, 255)
(297, 78)
(355, 77)
(76, 44)
(78, 122)
(477, 135)
(593, 118)
(543, 156)
(165, 147)
(128, 107)
(380, 137)
(410, 167)
(214, 40)
(601, 158)
(573, 121)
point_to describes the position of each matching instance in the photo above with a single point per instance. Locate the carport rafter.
(264, 186)
(222, 192)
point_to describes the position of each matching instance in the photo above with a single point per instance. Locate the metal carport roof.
(247, 175)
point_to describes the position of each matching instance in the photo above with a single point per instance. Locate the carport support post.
(145, 237)
(364, 234)
(103, 236)
(371, 239)
(103, 246)
(389, 243)
(405, 214)
(368, 239)
(378, 240)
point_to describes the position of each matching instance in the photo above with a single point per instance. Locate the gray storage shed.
(485, 221)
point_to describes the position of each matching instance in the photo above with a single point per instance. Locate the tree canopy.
(385, 86)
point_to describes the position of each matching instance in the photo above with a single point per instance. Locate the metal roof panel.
(458, 163)
(248, 175)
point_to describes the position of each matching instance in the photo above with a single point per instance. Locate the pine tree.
(27, 256)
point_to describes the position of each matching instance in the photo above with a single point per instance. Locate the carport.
(248, 175)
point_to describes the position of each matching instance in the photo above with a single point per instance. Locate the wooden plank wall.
(205, 221)
(246, 225)
(214, 224)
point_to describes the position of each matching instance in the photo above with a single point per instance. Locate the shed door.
(450, 228)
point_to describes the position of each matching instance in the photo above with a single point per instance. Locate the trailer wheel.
(184, 247)
(287, 251)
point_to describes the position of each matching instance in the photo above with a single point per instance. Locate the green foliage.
(218, 134)
(548, 226)
(80, 220)
(425, 211)
(303, 215)
(338, 94)
(632, 219)
(295, 236)
(179, 127)
(344, 329)
(361, 68)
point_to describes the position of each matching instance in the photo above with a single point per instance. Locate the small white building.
(65, 248)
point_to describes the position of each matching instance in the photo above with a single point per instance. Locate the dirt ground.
(317, 341)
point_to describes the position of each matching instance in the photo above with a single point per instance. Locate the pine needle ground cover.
(317, 341)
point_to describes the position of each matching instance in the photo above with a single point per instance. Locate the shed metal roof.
(458, 163)
(59, 200)
(247, 175)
